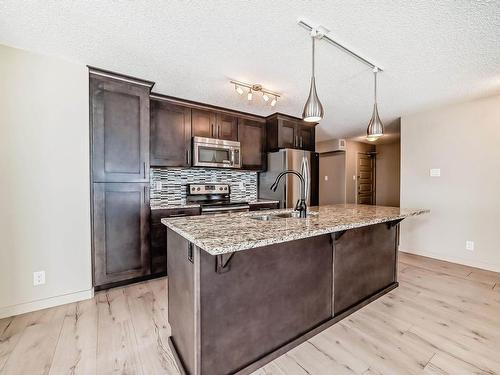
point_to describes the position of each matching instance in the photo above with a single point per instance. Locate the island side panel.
(365, 263)
(181, 300)
(270, 296)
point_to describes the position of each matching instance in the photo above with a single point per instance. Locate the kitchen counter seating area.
(244, 288)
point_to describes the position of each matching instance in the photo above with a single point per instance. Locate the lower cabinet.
(121, 226)
(159, 235)
(264, 206)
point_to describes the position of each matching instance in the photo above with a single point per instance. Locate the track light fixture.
(266, 94)
(313, 111)
(239, 90)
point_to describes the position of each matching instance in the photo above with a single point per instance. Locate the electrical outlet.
(326, 178)
(435, 172)
(38, 278)
(469, 245)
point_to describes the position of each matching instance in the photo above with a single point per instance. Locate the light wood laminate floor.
(443, 319)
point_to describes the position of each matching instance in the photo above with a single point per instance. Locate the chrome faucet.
(301, 205)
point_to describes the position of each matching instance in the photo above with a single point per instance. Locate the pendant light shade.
(313, 110)
(375, 128)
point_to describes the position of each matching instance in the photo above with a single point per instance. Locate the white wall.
(44, 188)
(462, 140)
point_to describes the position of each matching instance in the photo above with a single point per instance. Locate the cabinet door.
(203, 123)
(305, 137)
(252, 137)
(286, 134)
(120, 232)
(227, 127)
(119, 116)
(170, 134)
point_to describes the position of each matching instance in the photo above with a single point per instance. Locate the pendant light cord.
(375, 86)
(313, 40)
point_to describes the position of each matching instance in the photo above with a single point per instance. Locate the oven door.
(217, 153)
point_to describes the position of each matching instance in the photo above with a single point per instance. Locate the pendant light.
(313, 110)
(375, 127)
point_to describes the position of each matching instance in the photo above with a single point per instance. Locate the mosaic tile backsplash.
(174, 180)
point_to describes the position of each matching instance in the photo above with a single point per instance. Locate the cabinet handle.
(187, 156)
(146, 195)
(144, 170)
(190, 252)
(296, 143)
(212, 131)
(301, 142)
(178, 215)
(218, 131)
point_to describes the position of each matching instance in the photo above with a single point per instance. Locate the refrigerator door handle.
(306, 174)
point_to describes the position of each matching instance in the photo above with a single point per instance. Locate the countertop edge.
(300, 235)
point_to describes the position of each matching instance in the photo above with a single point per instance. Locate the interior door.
(366, 179)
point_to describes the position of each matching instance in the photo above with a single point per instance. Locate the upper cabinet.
(170, 134)
(289, 132)
(119, 117)
(211, 124)
(252, 137)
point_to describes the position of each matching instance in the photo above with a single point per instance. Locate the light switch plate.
(469, 245)
(435, 172)
(326, 178)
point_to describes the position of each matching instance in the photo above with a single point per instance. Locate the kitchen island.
(245, 288)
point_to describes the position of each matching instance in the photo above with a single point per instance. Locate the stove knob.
(225, 188)
(198, 189)
(220, 188)
(193, 188)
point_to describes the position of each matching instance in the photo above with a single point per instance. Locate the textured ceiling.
(433, 52)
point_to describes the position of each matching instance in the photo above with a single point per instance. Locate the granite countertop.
(165, 205)
(226, 233)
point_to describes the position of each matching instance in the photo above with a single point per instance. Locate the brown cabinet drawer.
(158, 214)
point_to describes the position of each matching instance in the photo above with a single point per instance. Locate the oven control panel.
(198, 189)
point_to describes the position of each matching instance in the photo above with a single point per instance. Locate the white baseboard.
(22, 308)
(458, 260)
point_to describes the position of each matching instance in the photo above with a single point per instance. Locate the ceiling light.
(375, 127)
(313, 110)
(255, 87)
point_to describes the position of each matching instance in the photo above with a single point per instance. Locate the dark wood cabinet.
(211, 124)
(121, 225)
(170, 134)
(289, 132)
(203, 123)
(227, 127)
(159, 235)
(119, 116)
(252, 138)
(306, 137)
(264, 206)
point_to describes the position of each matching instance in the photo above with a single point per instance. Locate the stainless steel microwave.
(218, 153)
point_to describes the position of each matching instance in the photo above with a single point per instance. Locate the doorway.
(365, 178)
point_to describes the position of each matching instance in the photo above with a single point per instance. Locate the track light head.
(249, 95)
(274, 101)
(265, 96)
(239, 90)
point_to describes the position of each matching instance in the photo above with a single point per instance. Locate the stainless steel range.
(214, 198)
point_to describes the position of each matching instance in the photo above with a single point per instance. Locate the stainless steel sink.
(284, 215)
(263, 217)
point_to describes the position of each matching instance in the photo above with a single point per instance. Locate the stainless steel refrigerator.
(288, 192)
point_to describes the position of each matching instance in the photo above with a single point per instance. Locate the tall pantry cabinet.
(119, 125)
